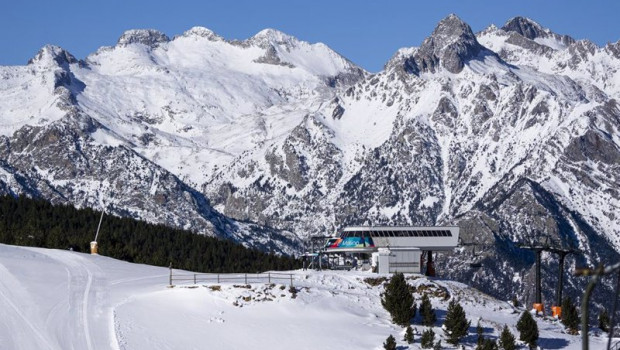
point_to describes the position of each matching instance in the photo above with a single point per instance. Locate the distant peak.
(449, 30)
(532, 30)
(452, 24)
(451, 44)
(524, 26)
(273, 36)
(148, 37)
(53, 53)
(203, 33)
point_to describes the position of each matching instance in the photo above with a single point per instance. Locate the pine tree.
(487, 344)
(426, 311)
(428, 336)
(570, 316)
(408, 335)
(528, 329)
(437, 345)
(507, 340)
(390, 343)
(398, 300)
(456, 324)
(603, 321)
(479, 331)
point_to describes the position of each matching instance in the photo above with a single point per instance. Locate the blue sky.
(366, 32)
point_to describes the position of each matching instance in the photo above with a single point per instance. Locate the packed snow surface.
(54, 299)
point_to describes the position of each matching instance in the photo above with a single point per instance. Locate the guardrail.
(265, 277)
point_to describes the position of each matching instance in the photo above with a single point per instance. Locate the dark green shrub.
(426, 311)
(507, 340)
(570, 316)
(428, 336)
(408, 335)
(398, 300)
(390, 343)
(456, 324)
(528, 329)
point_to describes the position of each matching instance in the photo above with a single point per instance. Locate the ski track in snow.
(20, 315)
(58, 300)
(85, 309)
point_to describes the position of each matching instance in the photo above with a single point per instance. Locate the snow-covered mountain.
(56, 300)
(511, 133)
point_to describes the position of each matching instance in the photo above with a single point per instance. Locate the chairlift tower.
(562, 252)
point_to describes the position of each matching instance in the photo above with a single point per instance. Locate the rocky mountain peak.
(449, 30)
(532, 30)
(51, 54)
(202, 32)
(614, 49)
(524, 26)
(269, 37)
(148, 37)
(451, 44)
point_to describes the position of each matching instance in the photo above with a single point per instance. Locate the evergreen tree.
(515, 301)
(487, 344)
(456, 324)
(398, 300)
(426, 311)
(479, 331)
(603, 321)
(507, 340)
(390, 343)
(528, 329)
(428, 336)
(570, 316)
(408, 335)
(437, 345)
(35, 222)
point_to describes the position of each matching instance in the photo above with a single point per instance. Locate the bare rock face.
(55, 54)
(532, 30)
(451, 45)
(614, 48)
(149, 37)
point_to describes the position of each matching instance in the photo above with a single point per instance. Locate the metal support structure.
(538, 288)
(595, 276)
(562, 255)
(538, 249)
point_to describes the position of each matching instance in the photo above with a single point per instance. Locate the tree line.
(35, 222)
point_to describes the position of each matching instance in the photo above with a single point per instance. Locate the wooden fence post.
(269, 277)
(194, 278)
(246, 278)
(170, 279)
(291, 279)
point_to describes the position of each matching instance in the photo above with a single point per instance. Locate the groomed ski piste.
(55, 299)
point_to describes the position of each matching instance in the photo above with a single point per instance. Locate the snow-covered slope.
(512, 133)
(54, 299)
(190, 103)
(139, 126)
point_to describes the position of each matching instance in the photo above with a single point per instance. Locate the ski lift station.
(395, 249)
